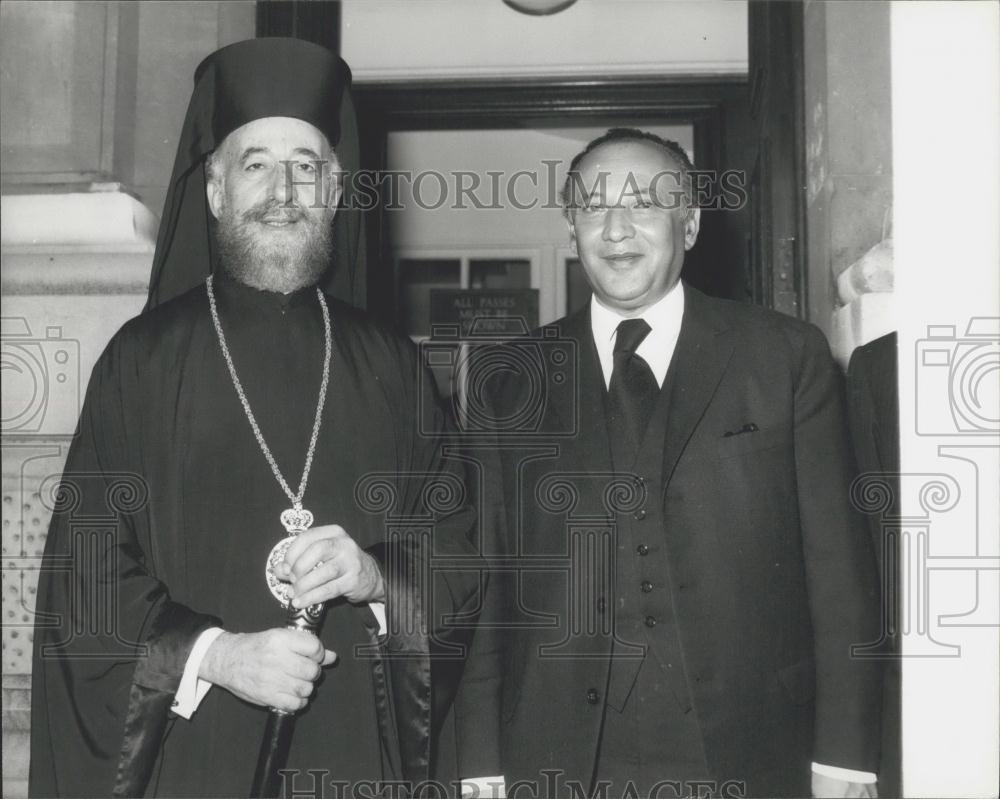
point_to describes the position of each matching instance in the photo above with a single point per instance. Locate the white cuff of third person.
(192, 688)
(845, 774)
(484, 788)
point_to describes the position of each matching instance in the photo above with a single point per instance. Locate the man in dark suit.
(680, 575)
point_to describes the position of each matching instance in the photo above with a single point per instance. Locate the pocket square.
(750, 427)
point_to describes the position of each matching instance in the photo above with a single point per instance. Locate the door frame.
(708, 104)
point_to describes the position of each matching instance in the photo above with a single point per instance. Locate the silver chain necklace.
(295, 519)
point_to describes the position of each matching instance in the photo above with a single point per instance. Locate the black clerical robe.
(166, 515)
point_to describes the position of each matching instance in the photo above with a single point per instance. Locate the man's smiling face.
(274, 227)
(632, 230)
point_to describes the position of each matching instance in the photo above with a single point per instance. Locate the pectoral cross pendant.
(295, 520)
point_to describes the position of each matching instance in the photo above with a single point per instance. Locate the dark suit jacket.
(873, 410)
(771, 573)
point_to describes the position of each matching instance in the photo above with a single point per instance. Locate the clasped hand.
(277, 668)
(325, 563)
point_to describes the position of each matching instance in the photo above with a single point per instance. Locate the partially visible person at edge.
(240, 393)
(704, 643)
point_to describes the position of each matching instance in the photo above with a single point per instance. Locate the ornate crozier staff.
(277, 738)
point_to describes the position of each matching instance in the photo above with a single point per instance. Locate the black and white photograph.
(500, 399)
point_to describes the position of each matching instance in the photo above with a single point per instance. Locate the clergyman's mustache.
(273, 211)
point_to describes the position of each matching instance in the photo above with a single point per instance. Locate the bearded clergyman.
(254, 439)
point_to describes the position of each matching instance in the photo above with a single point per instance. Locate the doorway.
(480, 210)
(446, 128)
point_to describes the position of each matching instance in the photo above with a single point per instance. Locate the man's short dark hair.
(671, 148)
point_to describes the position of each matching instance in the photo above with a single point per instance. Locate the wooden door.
(776, 250)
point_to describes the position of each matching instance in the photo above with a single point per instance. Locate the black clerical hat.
(270, 77)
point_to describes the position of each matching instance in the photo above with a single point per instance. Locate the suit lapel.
(583, 409)
(703, 351)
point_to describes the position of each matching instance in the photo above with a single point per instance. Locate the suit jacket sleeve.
(110, 645)
(840, 572)
(873, 405)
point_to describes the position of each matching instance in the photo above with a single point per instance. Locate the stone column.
(74, 268)
(94, 94)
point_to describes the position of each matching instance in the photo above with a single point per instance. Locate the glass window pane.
(417, 276)
(499, 273)
(577, 287)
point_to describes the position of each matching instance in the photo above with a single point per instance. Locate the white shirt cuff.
(484, 788)
(846, 774)
(378, 608)
(192, 688)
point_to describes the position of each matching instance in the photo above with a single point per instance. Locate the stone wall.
(94, 96)
(848, 171)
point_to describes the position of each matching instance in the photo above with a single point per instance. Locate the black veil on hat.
(270, 77)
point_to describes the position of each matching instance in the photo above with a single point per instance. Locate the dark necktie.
(631, 393)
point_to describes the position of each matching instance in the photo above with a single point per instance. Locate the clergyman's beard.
(279, 263)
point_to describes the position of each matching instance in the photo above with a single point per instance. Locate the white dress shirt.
(664, 320)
